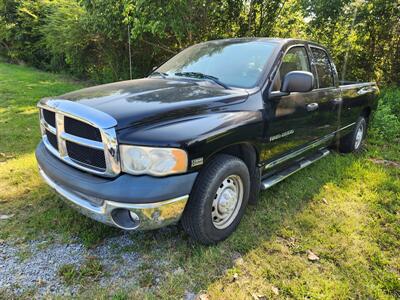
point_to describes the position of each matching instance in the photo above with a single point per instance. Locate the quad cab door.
(298, 121)
(327, 94)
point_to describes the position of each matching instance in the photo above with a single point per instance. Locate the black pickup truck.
(196, 140)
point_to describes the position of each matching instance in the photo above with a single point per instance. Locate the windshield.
(237, 64)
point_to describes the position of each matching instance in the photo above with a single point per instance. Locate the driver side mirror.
(297, 81)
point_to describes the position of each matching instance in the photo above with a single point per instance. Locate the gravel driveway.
(35, 265)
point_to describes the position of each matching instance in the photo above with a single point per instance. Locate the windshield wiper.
(202, 76)
(157, 73)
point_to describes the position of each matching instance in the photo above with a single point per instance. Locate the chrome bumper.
(126, 216)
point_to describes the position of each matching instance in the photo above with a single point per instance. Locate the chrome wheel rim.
(227, 201)
(359, 136)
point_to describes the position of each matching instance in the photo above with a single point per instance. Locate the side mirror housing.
(297, 81)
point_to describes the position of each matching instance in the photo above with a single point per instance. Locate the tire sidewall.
(361, 122)
(234, 167)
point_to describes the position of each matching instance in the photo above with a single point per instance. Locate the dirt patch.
(385, 162)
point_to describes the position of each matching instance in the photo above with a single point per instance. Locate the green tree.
(20, 36)
(89, 38)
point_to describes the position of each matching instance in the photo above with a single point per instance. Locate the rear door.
(327, 93)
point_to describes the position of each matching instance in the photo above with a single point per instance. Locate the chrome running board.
(274, 179)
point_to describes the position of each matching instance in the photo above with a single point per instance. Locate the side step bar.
(274, 179)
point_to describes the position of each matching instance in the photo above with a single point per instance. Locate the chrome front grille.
(81, 129)
(81, 136)
(52, 139)
(86, 155)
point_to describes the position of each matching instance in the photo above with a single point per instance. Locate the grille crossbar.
(90, 143)
(81, 129)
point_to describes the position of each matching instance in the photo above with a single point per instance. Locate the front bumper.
(128, 202)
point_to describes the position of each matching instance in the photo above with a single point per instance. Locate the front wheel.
(218, 200)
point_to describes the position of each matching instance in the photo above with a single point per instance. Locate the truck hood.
(152, 100)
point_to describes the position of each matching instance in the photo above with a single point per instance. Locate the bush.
(386, 123)
(20, 36)
(64, 37)
(85, 38)
(89, 38)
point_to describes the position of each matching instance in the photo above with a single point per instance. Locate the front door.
(299, 120)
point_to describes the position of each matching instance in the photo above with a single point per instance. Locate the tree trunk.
(250, 16)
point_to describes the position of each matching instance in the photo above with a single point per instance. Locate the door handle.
(312, 106)
(337, 101)
(366, 90)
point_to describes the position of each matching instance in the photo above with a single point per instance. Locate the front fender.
(202, 135)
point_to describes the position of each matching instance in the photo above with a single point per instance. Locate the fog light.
(125, 219)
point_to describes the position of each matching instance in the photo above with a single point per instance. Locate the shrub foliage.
(89, 38)
(386, 123)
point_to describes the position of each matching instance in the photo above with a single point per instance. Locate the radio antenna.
(130, 53)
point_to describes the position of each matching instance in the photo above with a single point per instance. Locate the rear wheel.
(218, 200)
(353, 141)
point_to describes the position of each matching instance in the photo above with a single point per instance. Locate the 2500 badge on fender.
(196, 140)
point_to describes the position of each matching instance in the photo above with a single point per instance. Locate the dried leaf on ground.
(312, 256)
(258, 296)
(239, 261)
(6, 217)
(275, 290)
(385, 162)
(203, 297)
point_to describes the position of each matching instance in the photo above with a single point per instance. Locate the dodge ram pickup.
(197, 140)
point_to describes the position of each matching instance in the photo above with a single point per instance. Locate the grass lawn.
(345, 209)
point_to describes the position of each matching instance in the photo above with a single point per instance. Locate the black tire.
(349, 143)
(197, 218)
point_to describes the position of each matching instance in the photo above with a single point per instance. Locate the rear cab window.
(323, 67)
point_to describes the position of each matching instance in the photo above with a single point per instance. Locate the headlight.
(139, 160)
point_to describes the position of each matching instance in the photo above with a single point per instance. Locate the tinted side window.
(324, 67)
(295, 59)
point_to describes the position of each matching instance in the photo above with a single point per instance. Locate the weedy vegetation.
(91, 270)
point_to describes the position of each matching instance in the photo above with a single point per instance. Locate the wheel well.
(245, 152)
(249, 154)
(366, 112)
